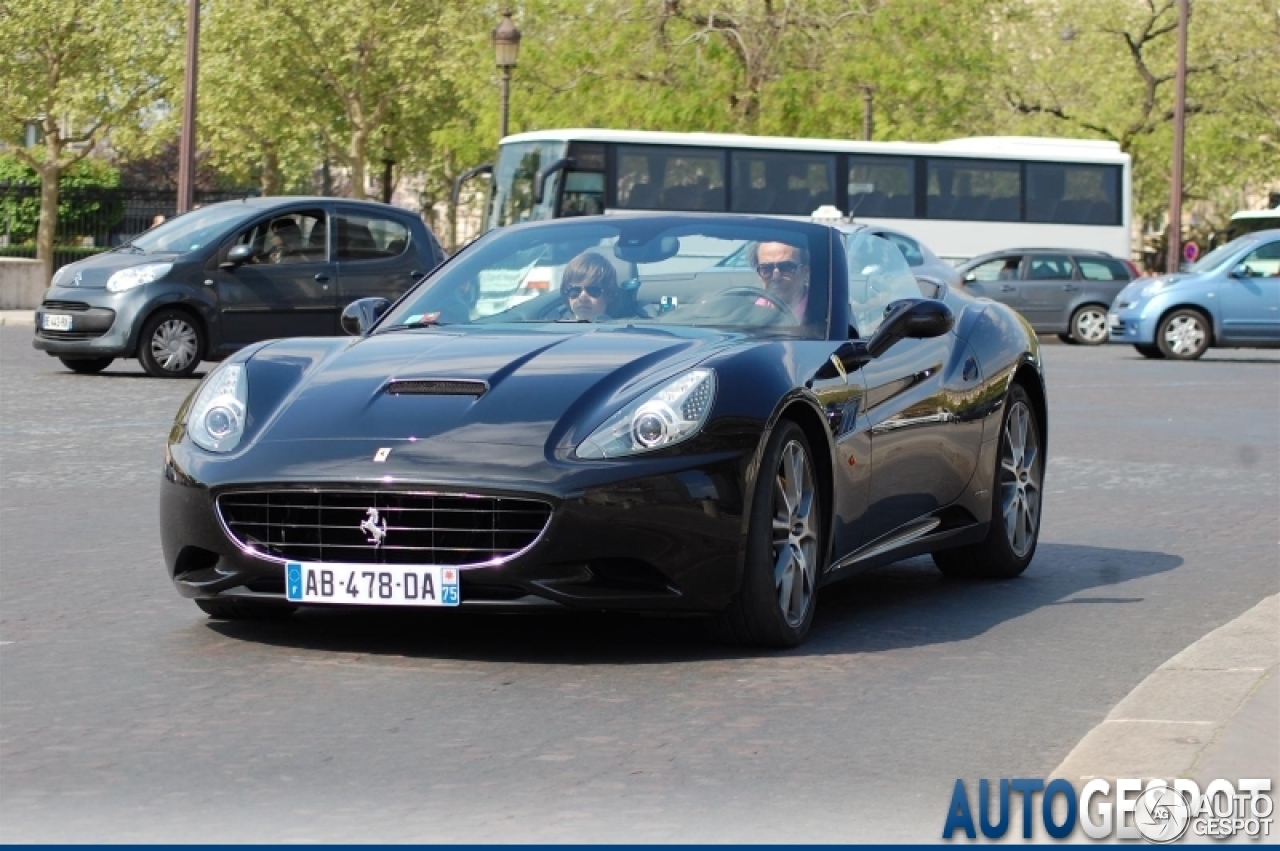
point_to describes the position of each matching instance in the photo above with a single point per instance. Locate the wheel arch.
(1028, 378)
(1214, 330)
(184, 307)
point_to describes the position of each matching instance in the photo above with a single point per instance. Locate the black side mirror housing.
(238, 256)
(1241, 270)
(912, 318)
(359, 316)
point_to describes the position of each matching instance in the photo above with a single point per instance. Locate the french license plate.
(371, 584)
(56, 322)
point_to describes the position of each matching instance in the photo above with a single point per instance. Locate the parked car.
(733, 443)
(924, 263)
(204, 284)
(1059, 292)
(1228, 298)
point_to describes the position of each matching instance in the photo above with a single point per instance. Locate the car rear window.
(1102, 269)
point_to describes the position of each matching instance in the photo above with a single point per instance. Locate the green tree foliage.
(80, 70)
(81, 198)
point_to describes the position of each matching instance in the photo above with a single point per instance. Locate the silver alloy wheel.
(1184, 334)
(1020, 480)
(173, 345)
(795, 538)
(1091, 325)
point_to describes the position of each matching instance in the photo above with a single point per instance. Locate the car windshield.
(755, 276)
(194, 230)
(1219, 255)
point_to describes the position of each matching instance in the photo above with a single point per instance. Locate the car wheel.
(1068, 339)
(775, 605)
(1016, 493)
(1183, 335)
(86, 366)
(1148, 351)
(171, 344)
(232, 609)
(1089, 325)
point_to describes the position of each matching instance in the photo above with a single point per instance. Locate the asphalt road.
(125, 715)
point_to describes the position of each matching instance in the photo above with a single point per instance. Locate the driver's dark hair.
(590, 268)
(753, 251)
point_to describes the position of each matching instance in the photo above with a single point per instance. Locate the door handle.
(1070, 287)
(415, 274)
(322, 278)
(1006, 288)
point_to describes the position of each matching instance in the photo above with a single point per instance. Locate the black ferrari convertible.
(658, 413)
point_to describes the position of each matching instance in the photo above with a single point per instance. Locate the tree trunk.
(357, 153)
(271, 180)
(49, 174)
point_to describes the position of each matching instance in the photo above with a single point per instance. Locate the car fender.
(202, 304)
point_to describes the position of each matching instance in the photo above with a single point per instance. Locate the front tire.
(1016, 492)
(232, 609)
(171, 344)
(1184, 334)
(784, 559)
(86, 366)
(1089, 325)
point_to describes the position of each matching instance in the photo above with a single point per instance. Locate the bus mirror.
(540, 180)
(487, 168)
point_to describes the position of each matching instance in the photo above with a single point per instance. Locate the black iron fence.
(89, 220)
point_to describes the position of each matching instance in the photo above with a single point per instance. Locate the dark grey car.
(204, 284)
(1059, 292)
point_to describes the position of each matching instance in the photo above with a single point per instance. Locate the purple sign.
(1190, 252)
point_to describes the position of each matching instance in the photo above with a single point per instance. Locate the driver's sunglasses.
(786, 267)
(593, 290)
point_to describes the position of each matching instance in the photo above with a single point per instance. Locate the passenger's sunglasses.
(786, 267)
(593, 290)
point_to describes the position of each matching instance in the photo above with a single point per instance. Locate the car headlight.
(671, 413)
(1156, 286)
(217, 416)
(136, 276)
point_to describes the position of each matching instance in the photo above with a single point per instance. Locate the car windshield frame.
(1220, 255)
(194, 230)
(676, 283)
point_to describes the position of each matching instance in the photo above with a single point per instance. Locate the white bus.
(1250, 221)
(961, 197)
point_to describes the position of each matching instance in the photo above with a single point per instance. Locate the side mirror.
(237, 256)
(541, 178)
(1241, 270)
(914, 319)
(970, 277)
(359, 316)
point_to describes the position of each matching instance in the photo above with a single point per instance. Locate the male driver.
(784, 269)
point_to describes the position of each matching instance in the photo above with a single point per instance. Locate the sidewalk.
(18, 317)
(1211, 712)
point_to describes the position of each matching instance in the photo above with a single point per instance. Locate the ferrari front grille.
(382, 527)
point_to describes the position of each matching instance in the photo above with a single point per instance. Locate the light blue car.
(1230, 298)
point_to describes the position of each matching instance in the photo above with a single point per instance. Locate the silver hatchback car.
(1059, 292)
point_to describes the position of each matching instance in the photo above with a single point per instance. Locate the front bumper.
(103, 324)
(667, 539)
(1134, 324)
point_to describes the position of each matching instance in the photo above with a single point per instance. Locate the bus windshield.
(1252, 221)
(511, 199)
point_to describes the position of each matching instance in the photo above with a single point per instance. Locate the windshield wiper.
(424, 322)
(130, 247)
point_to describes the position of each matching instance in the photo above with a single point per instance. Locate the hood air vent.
(436, 387)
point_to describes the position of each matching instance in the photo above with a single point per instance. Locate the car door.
(1250, 303)
(921, 454)
(288, 287)
(999, 280)
(1047, 289)
(374, 255)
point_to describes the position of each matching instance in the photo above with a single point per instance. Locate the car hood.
(535, 386)
(93, 272)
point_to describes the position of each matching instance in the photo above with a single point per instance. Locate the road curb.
(17, 317)
(1181, 720)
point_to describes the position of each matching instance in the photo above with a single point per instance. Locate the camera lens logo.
(1161, 814)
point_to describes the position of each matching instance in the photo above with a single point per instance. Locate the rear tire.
(784, 559)
(1089, 325)
(232, 609)
(1067, 338)
(86, 366)
(1147, 351)
(1011, 538)
(171, 344)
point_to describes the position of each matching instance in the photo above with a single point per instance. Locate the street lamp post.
(187, 144)
(506, 47)
(1173, 250)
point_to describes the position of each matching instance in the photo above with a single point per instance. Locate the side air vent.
(436, 387)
